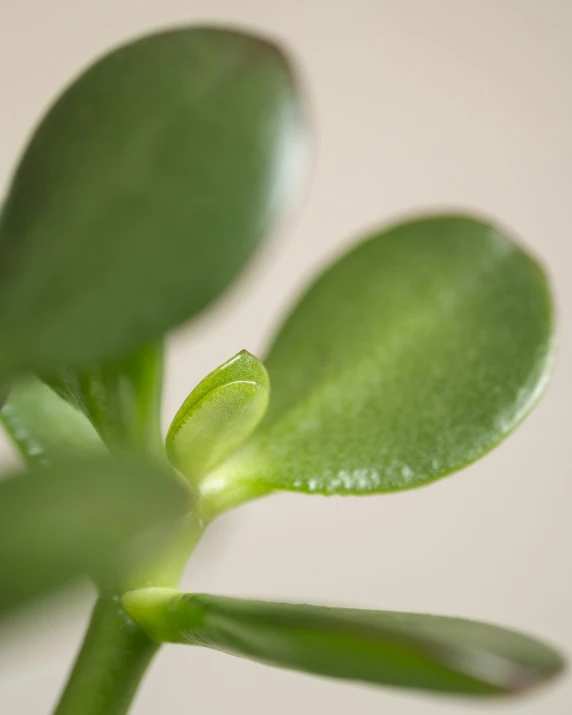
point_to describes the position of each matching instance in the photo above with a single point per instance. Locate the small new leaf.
(218, 416)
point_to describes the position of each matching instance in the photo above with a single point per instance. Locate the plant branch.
(110, 665)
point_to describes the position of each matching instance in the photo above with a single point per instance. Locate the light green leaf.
(142, 193)
(74, 516)
(407, 650)
(411, 357)
(218, 416)
(43, 426)
(121, 398)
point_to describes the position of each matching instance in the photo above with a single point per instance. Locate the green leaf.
(121, 398)
(218, 416)
(74, 516)
(407, 650)
(411, 357)
(142, 193)
(43, 426)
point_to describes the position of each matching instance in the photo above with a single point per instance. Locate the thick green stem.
(116, 653)
(111, 663)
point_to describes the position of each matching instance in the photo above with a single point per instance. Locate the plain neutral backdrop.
(415, 104)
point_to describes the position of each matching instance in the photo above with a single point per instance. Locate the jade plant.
(141, 194)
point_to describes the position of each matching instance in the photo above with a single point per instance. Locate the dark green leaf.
(121, 398)
(73, 517)
(143, 192)
(43, 426)
(218, 416)
(407, 650)
(411, 357)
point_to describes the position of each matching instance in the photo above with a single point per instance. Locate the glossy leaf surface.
(142, 193)
(43, 426)
(121, 398)
(219, 415)
(73, 517)
(398, 649)
(411, 357)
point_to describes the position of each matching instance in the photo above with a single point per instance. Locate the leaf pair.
(412, 356)
(408, 650)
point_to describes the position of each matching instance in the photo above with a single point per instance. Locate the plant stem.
(110, 665)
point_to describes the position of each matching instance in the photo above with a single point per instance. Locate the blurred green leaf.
(142, 193)
(219, 415)
(411, 357)
(43, 426)
(121, 398)
(407, 650)
(74, 516)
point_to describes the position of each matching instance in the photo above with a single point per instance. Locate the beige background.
(416, 103)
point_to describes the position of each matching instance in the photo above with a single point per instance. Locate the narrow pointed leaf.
(121, 398)
(218, 416)
(411, 357)
(407, 650)
(142, 193)
(43, 426)
(74, 517)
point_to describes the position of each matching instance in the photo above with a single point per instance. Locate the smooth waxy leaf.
(408, 650)
(218, 416)
(121, 398)
(72, 518)
(412, 356)
(142, 193)
(43, 426)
